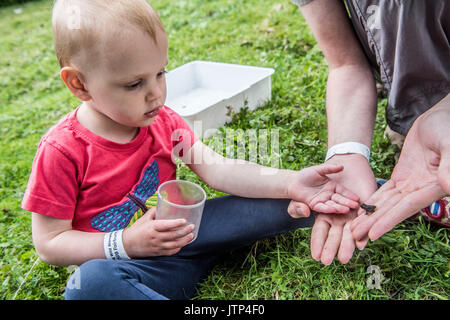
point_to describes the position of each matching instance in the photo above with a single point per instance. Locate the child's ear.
(75, 83)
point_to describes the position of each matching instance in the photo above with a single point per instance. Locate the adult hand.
(421, 176)
(331, 233)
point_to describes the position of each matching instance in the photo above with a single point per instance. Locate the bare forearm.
(235, 176)
(72, 247)
(351, 94)
(250, 180)
(351, 105)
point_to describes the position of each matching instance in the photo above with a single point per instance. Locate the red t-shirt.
(81, 176)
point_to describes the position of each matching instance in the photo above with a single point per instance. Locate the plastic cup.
(179, 199)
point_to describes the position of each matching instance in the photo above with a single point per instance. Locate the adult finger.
(319, 235)
(360, 244)
(331, 247)
(406, 207)
(444, 170)
(382, 200)
(366, 221)
(386, 191)
(347, 246)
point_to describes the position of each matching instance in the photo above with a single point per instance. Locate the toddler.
(120, 141)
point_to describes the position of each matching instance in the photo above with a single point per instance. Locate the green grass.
(413, 258)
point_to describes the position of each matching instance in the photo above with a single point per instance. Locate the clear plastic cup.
(179, 199)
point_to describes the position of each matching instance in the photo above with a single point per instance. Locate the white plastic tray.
(202, 92)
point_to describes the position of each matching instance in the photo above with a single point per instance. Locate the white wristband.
(349, 147)
(113, 246)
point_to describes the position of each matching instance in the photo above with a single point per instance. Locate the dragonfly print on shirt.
(119, 216)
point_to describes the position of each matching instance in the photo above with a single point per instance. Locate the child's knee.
(102, 279)
(92, 280)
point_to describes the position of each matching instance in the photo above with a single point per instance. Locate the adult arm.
(351, 110)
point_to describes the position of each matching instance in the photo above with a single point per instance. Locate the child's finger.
(328, 168)
(167, 225)
(330, 207)
(298, 210)
(151, 213)
(174, 234)
(178, 243)
(345, 201)
(322, 207)
(340, 189)
(338, 207)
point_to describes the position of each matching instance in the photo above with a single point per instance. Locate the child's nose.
(154, 92)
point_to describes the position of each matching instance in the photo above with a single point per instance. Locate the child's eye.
(134, 85)
(161, 73)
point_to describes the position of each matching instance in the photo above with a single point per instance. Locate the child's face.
(129, 87)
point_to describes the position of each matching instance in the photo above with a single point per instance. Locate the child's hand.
(149, 237)
(317, 192)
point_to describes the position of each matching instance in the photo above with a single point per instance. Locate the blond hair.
(85, 24)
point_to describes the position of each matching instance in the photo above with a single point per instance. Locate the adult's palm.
(331, 235)
(421, 176)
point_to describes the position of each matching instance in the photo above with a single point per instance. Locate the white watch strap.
(349, 147)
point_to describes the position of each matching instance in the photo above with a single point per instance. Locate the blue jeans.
(228, 223)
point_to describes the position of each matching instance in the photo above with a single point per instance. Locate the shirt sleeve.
(52, 187)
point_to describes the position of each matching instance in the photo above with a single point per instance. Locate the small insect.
(368, 208)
